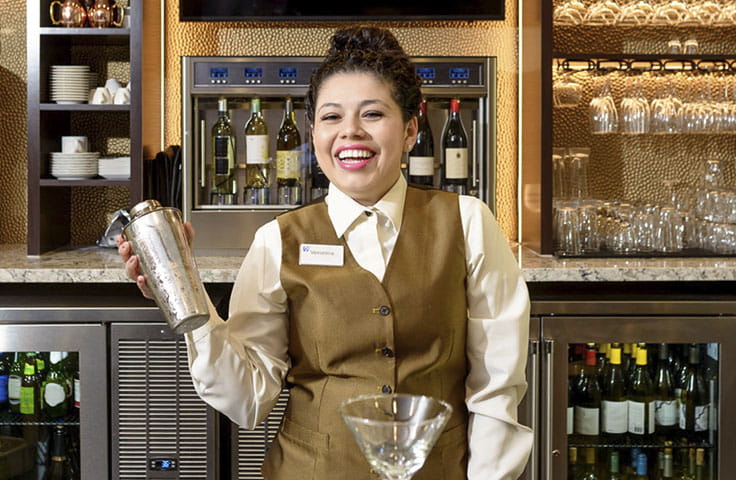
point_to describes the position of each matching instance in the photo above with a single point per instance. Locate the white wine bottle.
(665, 405)
(694, 402)
(55, 402)
(421, 157)
(614, 404)
(455, 161)
(641, 398)
(289, 159)
(223, 170)
(257, 159)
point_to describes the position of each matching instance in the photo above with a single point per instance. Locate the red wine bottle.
(421, 157)
(454, 153)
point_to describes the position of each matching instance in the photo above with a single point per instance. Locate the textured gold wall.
(496, 38)
(13, 133)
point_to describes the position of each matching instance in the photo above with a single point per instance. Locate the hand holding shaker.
(156, 235)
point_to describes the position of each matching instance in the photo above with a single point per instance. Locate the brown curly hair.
(374, 50)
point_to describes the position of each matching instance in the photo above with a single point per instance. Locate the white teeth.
(354, 153)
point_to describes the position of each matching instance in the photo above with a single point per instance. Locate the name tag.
(324, 255)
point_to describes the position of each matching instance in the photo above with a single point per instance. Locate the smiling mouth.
(354, 158)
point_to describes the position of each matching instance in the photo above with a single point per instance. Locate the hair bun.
(365, 39)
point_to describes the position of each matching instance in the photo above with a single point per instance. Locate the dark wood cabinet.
(113, 130)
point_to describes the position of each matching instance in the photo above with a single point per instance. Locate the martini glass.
(395, 432)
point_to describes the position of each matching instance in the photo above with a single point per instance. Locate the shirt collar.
(343, 210)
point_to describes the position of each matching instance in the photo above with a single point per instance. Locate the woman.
(380, 288)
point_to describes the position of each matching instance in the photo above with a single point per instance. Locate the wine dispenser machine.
(226, 223)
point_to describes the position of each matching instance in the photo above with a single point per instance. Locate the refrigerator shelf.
(9, 418)
(674, 444)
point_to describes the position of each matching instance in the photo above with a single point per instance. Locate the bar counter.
(102, 265)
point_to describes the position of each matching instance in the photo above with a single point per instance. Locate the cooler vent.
(160, 414)
(253, 444)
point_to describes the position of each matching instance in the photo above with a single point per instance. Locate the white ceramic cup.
(101, 96)
(74, 144)
(112, 85)
(121, 97)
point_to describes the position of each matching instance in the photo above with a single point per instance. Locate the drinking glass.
(671, 13)
(395, 432)
(602, 12)
(602, 111)
(664, 109)
(635, 13)
(669, 231)
(571, 12)
(635, 114)
(576, 167)
(566, 92)
(566, 226)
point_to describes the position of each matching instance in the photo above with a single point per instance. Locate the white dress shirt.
(239, 366)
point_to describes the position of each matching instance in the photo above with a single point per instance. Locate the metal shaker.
(157, 237)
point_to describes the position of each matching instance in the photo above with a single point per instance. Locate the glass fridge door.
(51, 427)
(638, 397)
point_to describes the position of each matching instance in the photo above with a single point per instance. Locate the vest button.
(386, 389)
(387, 352)
(384, 310)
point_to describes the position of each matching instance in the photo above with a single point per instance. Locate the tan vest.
(351, 335)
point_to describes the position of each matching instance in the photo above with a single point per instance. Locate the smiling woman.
(379, 287)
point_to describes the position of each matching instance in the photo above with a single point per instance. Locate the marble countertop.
(101, 265)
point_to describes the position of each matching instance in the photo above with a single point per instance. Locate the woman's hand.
(132, 268)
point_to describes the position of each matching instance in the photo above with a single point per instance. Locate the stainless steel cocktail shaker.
(157, 237)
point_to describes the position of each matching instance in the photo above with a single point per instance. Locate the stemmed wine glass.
(395, 432)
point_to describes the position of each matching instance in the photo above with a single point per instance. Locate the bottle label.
(587, 420)
(421, 166)
(456, 163)
(53, 394)
(27, 397)
(641, 417)
(3, 388)
(665, 412)
(615, 416)
(288, 164)
(14, 383)
(222, 157)
(256, 149)
(570, 419)
(701, 418)
(77, 392)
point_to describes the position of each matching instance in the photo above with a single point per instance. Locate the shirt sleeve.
(497, 344)
(238, 366)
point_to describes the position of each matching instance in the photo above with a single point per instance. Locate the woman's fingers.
(132, 269)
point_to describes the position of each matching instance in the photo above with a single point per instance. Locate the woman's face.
(359, 135)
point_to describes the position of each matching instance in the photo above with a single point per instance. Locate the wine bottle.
(4, 374)
(57, 467)
(641, 398)
(421, 157)
(55, 402)
(223, 168)
(626, 357)
(689, 465)
(77, 390)
(570, 416)
(665, 406)
(573, 467)
(668, 470)
(30, 390)
(15, 379)
(455, 159)
(694, 402)
(614, 403)
(320, 182)
(641, 466)
(257, 159)
(289, 159)
(591, 468)
(588, 398)
(613, 466)
(630, 467)
(700, 469)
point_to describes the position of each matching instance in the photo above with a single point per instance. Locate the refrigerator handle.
(534, 346)
(474, 129)
(549, 348)
(202, 140)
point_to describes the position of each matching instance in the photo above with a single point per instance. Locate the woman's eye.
(373, 114)
(329, 116)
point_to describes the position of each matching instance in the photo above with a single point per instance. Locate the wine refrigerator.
(53, 400)
(227, 196)
(638, 396)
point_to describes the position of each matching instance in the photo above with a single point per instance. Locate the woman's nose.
(352, 128)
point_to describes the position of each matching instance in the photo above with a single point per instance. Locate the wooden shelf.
(82, 107)
(92, 182)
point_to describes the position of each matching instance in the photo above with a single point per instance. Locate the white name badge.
(324, 255)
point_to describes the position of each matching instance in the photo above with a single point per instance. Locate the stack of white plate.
(114, 168)
(69, 83)
(74, 166)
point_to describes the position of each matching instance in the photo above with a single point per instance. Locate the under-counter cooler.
(226, 217)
